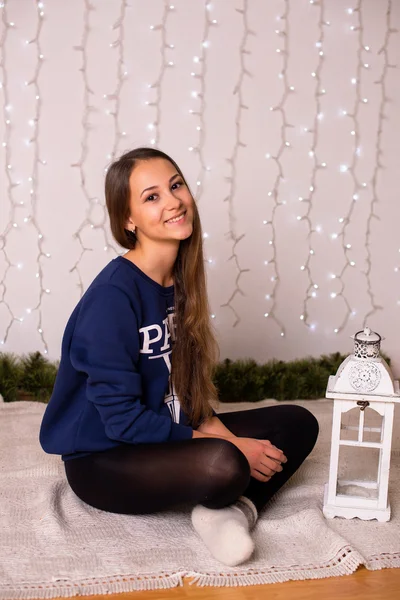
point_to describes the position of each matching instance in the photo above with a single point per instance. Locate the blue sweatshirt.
(113, 383)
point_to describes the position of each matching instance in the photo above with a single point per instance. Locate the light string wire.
(238, 90)
(384, 50)
(201, 75)
(164, 65)
(11, 184)
(311, 291)
(35, 171)
(33, 178)
(357, 185)
(86, 127)
(119, 43)
(122, 74)
(275, 192)
(92, 202)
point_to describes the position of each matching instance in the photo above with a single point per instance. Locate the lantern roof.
(367, 336)
(364, 374)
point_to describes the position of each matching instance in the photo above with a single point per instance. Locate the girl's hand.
(264, 458)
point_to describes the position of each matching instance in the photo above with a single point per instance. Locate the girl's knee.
(307, 419)
(305, 426)
(297, 425)
(228, 466)
(228, 475)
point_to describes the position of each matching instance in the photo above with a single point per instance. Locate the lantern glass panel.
(360, 465)
(351, 423)
(373, 420)
(350, 419)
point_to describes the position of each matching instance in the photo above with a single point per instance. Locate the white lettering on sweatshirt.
(152, 335)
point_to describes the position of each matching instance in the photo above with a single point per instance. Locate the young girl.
(131, 411)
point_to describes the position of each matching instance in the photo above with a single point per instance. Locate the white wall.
(75, 123)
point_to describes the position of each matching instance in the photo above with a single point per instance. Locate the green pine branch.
(31, 375)
(305, 379)
(236, 381)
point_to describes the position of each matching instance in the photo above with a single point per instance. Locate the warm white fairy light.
(200, 75)
(80, 164)
(318, 164)
(274, 192)
(37, 160)
(200, 95)
(351, 169)
(164, 65)
(238, 91)
(115, 96)
(384, 51)
(11, 184)
(16, 220)
(343, 169)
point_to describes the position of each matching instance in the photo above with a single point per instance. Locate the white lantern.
(363, 379)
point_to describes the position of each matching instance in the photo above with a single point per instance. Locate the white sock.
(226, 531)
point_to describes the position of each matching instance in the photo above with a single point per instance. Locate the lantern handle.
(363, 404)
(367, 331)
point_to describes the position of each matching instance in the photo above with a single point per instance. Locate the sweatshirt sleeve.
(106, 347)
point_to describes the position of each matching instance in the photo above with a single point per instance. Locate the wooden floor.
(361, 585)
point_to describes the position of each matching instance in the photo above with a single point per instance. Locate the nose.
(172, 201)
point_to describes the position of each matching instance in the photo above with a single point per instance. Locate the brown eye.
(178, 183)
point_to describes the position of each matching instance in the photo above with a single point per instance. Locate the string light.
(320, 91)
(384, 50)
(33, 179)
(165, 63)
(274, 192)
(80, 164)
(92, 202)
(238, 90)
(16, 220)
(352, 168)
(37, 160)
(121, 77)
(11, 184)
(200, 75)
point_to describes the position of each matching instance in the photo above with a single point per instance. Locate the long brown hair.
(195, 350)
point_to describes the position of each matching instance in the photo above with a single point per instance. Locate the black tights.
(147, 478)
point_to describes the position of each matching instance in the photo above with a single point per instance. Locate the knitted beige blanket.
(52, 544)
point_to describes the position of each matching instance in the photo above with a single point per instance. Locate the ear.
(130, 225)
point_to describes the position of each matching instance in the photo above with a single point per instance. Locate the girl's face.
(161, 206)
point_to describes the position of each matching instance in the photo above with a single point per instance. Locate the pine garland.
(28, 377)
(32, 377)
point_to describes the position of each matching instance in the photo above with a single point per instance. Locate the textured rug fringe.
(90, 587)
(345, 562)
(383, 561)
